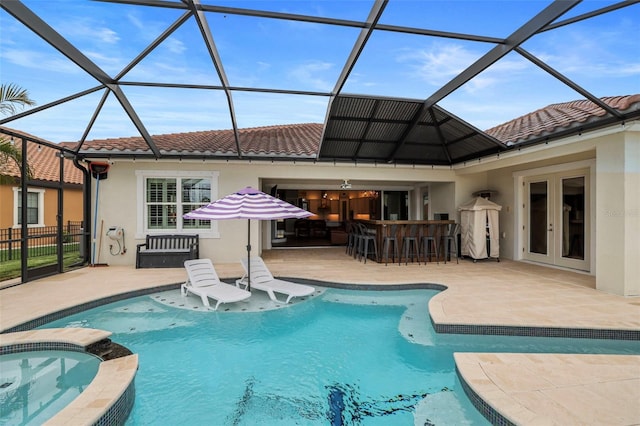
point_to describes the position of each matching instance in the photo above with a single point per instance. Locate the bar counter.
(383, 227)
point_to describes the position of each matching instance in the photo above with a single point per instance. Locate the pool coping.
(508, 403)
(108, 399)
(440, 327)
(488, 410)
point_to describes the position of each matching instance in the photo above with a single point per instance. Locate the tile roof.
(303, 140)
(286, 141)
(553, 118)
(44, 163)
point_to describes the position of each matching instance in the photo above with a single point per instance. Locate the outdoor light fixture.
(99, 170)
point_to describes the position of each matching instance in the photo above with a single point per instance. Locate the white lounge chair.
(203, 281)
(261, 279)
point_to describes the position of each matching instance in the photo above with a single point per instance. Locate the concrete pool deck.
(526, 389)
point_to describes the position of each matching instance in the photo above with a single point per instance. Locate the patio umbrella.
(248, 203)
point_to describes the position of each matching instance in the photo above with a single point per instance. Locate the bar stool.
(429, 242)
(410, 244)
(351, 237)
(357, 240)
(366, 239)
(450, 239)
(391, 239)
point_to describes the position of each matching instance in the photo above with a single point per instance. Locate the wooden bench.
(167, 251)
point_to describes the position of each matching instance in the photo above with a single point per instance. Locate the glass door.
(557, 219)
(539, 245)
(573, 219)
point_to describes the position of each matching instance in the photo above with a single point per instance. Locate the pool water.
(34, 386)
(342, 358)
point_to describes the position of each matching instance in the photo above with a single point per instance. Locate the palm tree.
(11, 96)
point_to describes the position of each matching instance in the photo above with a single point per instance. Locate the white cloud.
(263, 66)
(592, 52)
(135, 21)
(174, 46)
(442, 62)
(107, 62)
(106, 35)
(310, 73)
(88, 31)
(438, 64)
(578, 64)
(39, 60)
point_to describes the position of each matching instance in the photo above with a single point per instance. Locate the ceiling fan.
(345, 184)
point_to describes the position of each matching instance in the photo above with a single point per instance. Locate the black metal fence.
(42, 241)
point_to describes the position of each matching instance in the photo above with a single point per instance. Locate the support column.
(618, 214)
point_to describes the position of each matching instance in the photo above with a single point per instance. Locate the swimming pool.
(35, 385)
(343, 357)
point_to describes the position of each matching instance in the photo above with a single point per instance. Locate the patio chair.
(261, 279)
(203, 281)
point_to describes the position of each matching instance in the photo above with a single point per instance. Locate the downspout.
(86, 211)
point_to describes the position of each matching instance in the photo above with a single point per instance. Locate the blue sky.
(601, 54)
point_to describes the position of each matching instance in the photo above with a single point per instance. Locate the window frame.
(142, 228)
(16, 198)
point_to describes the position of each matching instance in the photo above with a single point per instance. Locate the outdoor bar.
(382, 229)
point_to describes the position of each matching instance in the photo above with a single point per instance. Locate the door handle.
(551, 227)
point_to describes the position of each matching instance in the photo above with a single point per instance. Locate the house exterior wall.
(614, 180)
(502, 180)
(618, 215)
(615, 217)
(73, 205)
(119, 199)
(6, 206)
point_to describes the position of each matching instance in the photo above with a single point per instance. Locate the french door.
(556, 225)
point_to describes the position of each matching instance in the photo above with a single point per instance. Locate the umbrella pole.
(248, 254)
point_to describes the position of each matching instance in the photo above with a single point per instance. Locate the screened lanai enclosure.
(396, 82)
(392, 81)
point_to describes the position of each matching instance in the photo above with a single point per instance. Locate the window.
(169, 195)
(35, 207)
(396, 205)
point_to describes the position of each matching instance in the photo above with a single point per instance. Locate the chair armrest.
(139, 246)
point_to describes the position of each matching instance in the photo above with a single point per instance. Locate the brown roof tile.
(303, 140)
(557, 117)
(292, 140)
(44, 163)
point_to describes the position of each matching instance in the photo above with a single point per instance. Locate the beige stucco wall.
(616, 177)
(615, 217)
(502, 180)
(118, 198)
(618, 215)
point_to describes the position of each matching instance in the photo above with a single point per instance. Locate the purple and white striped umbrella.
(248, 203)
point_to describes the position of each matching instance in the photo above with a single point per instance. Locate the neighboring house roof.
(44, 162)
(556, 118)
